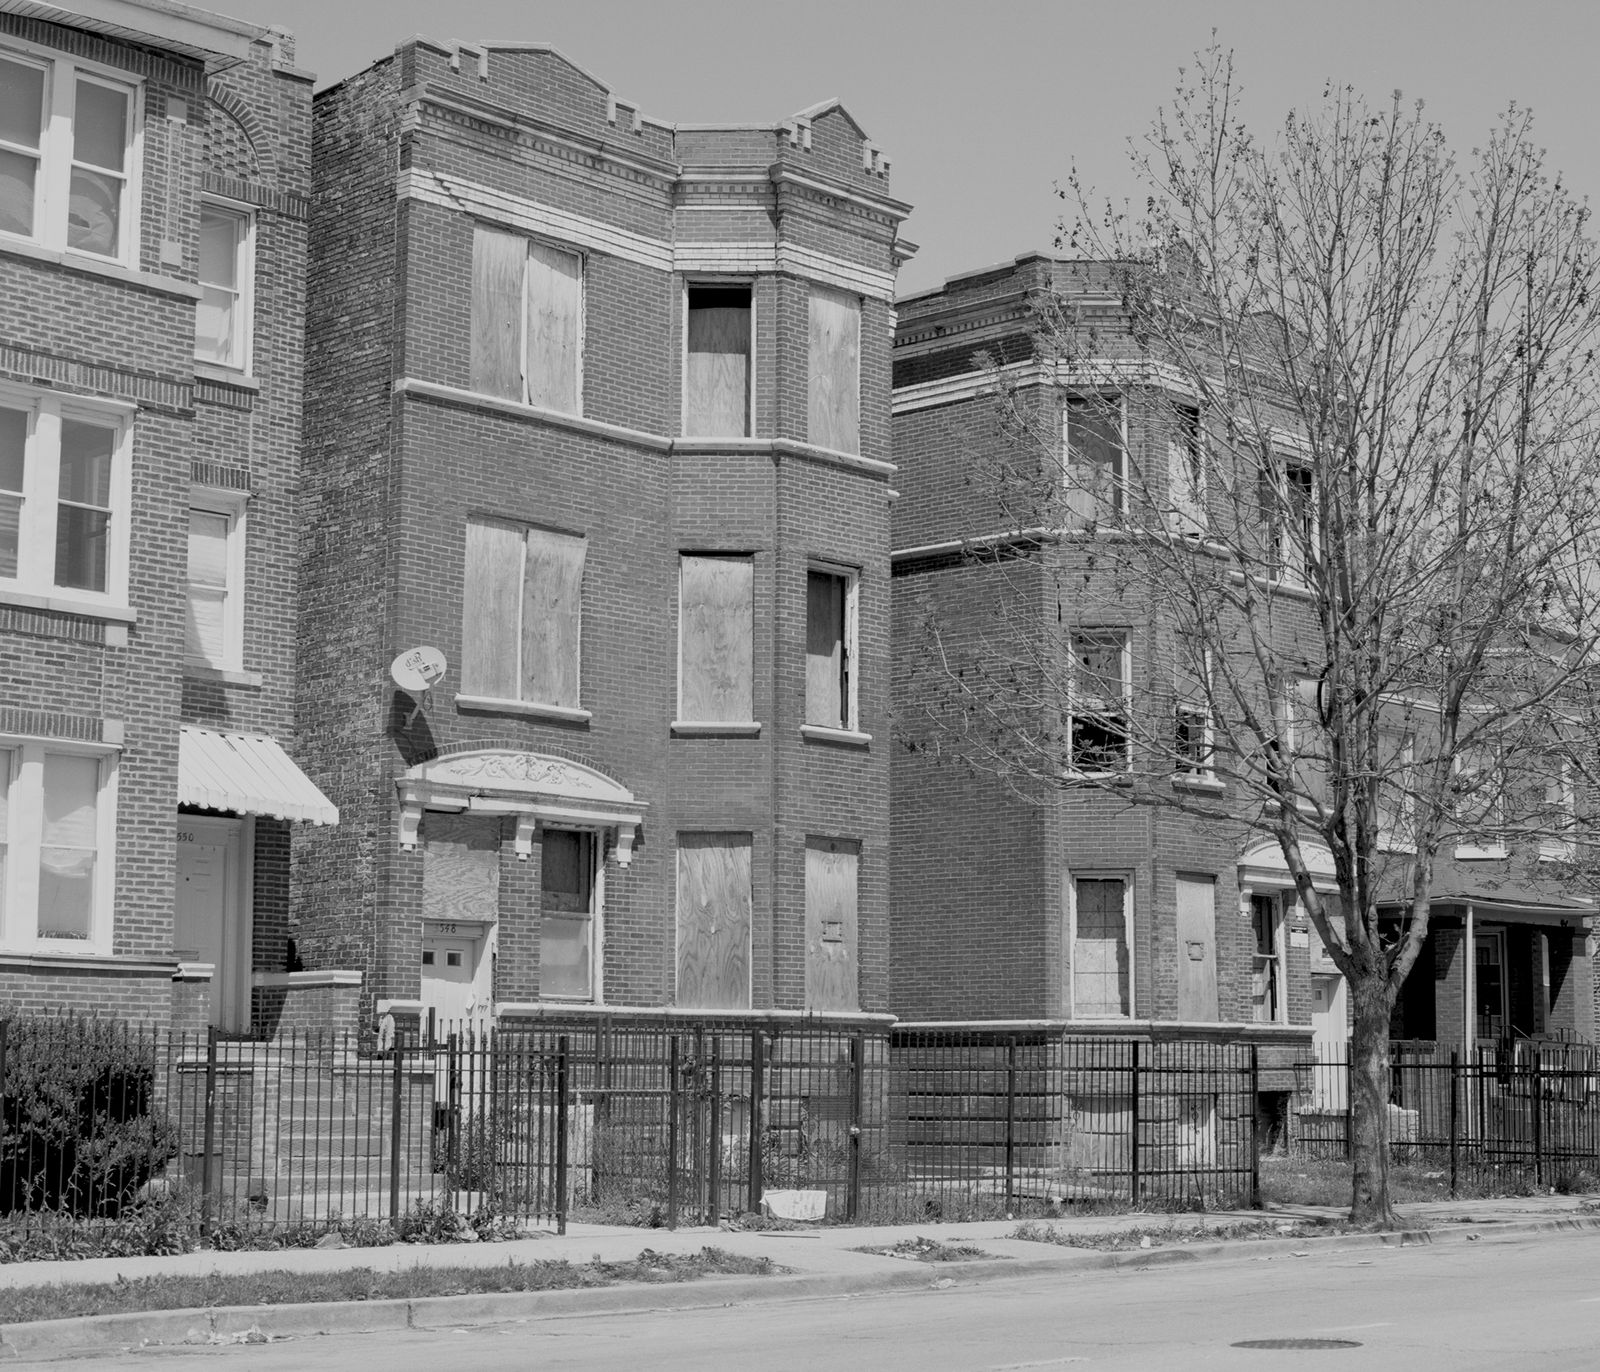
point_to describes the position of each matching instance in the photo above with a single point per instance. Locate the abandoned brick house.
(1075, 904)
(154, 167)
(598, 410)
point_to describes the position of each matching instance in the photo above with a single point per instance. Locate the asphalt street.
(1502, 1303)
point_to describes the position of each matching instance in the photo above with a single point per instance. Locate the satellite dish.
(417, 669)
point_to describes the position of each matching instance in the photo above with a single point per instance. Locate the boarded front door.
(714, 921)
(831, 925)
(1197, 949)
(208, 926)
(449, 965)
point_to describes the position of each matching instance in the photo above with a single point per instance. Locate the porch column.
(1469, 989)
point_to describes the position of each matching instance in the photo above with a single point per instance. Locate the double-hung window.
(527, 321)
(222, 319)
(1192, 741)
(1095, 445)
(567, 916)
(67, 155)
(1287, 497)
(64, 496)
(1186, 469)
(1558, 841)
(1102, 948)
(1101, 700)
(214, 626)
(522, 618)
(1480, 807)
(57, 817)
(831, 616)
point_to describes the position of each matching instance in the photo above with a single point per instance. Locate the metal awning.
(249, 774)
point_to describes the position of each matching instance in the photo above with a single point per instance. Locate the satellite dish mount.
(416, 671)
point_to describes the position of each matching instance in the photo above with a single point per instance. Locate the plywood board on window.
(832, 981)
(460, 867)
(497, 266)
(1197, 949)
(716, 671)
(825, 641)
(555, 322)
(552, 618)
(491, 605)
(714, 921)
(835, 369)
(716, 376)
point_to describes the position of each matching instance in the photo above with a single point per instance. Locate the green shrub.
(80, 1130)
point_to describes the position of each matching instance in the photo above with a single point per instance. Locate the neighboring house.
(1074, 903)
(154, 167)
(599, 409)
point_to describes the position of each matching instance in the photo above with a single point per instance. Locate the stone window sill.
(696, 728)
(493, 705)
(847, 738)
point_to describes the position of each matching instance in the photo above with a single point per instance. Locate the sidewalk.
(819, 1262)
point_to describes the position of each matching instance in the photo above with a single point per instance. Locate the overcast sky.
(982, 107)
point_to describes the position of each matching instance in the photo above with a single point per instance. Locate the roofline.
(168, 24)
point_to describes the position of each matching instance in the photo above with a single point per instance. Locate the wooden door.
(208, 926)
(831, 967)
(1197, 950)
(714, 921)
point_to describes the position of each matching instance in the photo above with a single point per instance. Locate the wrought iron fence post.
(1255, 1132)
(672, 1132)
(714, 1162)
(1011, 1119)
(208, 1177)
(1536, 1100)
(757, 1090)
(1133, 1135)
(1455, 1118)
(397, 1086)
(561, 1134)
(857, 1061)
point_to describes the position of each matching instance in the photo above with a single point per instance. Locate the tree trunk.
(1369, 1105)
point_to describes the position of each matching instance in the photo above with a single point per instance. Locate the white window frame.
(52, 190)
(233, 506)
(849, 642)
(1283, 901)
(245, 274)
(716, 283)
(1125, 651)
(41, 500)
(1126, 878)
(19, 901)
(1187, 518)
(1206, 768)
(1399, 837)
(1496, 808)
(1277, 543)
(595, 916)
(1561, 806)
(1099, 400)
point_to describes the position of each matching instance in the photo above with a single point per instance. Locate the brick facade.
(218, 110)
(401, 451)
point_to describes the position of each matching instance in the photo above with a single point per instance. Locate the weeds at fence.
(1173, 1234)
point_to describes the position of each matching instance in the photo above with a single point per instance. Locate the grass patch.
(1326, 1181)
(1173, 1234)
(929, 1250)
(57, 1302)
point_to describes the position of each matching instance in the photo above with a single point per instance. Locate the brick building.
(597, 409)
(154, 168)
(1075, 903)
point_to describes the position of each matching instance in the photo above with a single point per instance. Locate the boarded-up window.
(835, 411)
(715, 607)
(460, 867)
(566, 917)
(830, 649)
(1101, 987)
(831, 976)
(527, 319)
(714, 921)
(1094, 453)
(1197, 949)
(522, 614)
(716, 372)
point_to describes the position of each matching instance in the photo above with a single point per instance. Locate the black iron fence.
(1521, 1114)
(654, 1119)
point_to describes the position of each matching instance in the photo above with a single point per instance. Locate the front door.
(209, 924)
(449, 968)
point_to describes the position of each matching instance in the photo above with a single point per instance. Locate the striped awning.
(248, 774)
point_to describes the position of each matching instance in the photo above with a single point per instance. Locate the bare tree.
(1360, 520)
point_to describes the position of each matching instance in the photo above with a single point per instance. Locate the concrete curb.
(261, 1323)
